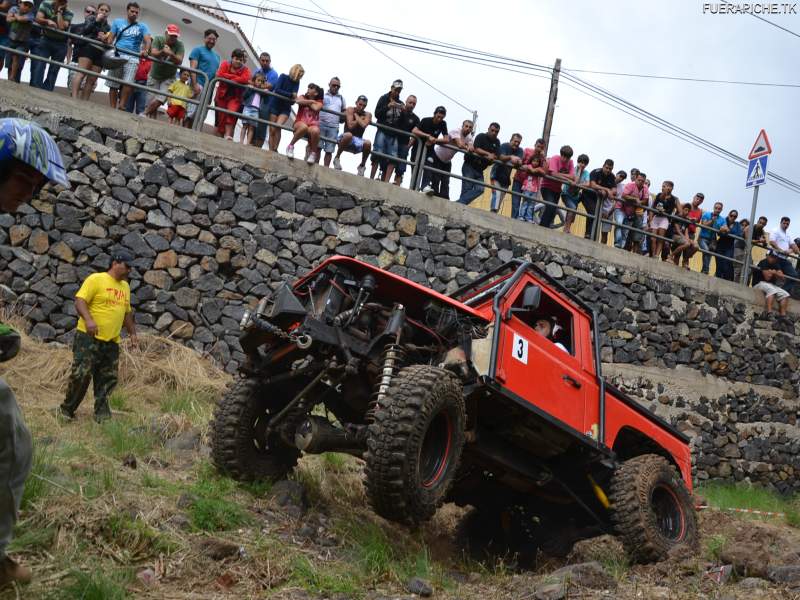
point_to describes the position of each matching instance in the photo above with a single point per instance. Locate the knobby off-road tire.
(651, 508)
(241, 414)
(414, 444)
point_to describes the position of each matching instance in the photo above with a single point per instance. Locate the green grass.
(31, 537)
(118, 400)
(324, 578)
(43, 466)
(99, 482)
(724, 496)
(100, 584)
(713, 546)
(197, 407)
(122, 437)
(135, 537)
(214, 508)
(335, 462)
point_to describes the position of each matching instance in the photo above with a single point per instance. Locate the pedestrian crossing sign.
(756, 171)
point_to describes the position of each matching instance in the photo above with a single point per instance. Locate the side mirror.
(531, 297)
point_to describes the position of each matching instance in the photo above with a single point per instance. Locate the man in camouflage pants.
(29, 158)
(104, 305)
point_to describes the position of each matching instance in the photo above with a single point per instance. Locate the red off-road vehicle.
(469, 398)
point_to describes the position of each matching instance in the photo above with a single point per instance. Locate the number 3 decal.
(519, 349)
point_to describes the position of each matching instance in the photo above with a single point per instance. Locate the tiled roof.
(219, 14)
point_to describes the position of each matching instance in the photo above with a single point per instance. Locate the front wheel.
(240, 447)
(414, 444)
(651, 508)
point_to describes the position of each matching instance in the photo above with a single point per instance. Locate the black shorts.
(93, 53)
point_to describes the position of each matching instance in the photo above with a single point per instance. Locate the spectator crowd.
(543, 189)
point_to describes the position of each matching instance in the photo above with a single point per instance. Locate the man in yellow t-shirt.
(104, 305)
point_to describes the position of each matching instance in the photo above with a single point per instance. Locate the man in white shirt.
(442, 158)
(782, 242)
(328, 122)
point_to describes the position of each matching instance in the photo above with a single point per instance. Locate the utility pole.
(551, 104)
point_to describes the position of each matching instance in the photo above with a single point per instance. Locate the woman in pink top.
(563, 170)
(306, 124)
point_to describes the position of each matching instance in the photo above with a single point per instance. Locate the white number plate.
(519, 349)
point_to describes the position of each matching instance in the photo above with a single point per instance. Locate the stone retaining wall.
(211, 235)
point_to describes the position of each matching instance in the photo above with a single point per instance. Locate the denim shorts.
(356, 144)
(252, 112)
(327, 130)
(385, 144)
(569, 201)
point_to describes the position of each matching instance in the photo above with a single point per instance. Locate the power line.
(402, 66)
(794, 33)
(694, 79)
(501, 62)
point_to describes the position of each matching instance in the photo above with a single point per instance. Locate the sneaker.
(62, 414)
(428, 190)
(337, 164)
(312, 158)
(361, 170)
(13, 572)
(290, 151)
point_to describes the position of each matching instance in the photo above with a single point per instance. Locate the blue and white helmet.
(32, 145)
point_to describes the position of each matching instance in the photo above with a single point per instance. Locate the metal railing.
(594, 221)
(97, 43)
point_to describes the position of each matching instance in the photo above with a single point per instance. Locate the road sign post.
(756, 176)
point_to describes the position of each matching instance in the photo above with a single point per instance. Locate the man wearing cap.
(104, 305)
(167, 52)
(389, 112)
(356, 119)
(29, 158)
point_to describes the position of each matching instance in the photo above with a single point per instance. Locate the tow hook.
(304, 341)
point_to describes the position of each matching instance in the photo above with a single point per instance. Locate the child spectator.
(230, 96)
(137, 101)
(531, 187)
(251, 106)
(176, 108)
(280, 105)
(682, 242)
(20, 22)
(571, 194)
(307, 122)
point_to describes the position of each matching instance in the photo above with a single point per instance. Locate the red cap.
(173, 29)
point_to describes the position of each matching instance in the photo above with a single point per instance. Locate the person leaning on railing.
(133, 40)
(483, 152)
(437, 183)
(54, 16)
(571, 194)
(169, 49)
(636, 195)
(560, 170)
(20, 21)
(227, 96)
(90, 56)
(356, 120)
(203, 58)
(280, 104)
(307, 122)
(781, 242)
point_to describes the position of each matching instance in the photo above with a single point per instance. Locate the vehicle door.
(534, 367)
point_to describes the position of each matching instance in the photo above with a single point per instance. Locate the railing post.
(421, 156)
(415, 168)
(598, 214)
(748, 242)
(202, 108)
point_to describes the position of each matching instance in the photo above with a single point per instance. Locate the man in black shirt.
(484, 151)
(433, 130)
(408, 121)
(389, 112)
(769, 278)
(603, 184)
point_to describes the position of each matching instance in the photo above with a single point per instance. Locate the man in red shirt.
(560, 170)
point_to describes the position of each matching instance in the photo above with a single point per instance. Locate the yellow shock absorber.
(598, 491)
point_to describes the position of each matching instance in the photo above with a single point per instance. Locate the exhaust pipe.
(316, 435)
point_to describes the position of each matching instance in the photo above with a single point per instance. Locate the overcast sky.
(673, 38)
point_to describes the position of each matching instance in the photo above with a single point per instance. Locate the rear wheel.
(414, 444)
(651, 508)
(239, 444)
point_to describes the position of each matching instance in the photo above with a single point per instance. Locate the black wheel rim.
(668, 511)
(434, 454)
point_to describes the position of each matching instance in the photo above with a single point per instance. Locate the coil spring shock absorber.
(392, 358)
